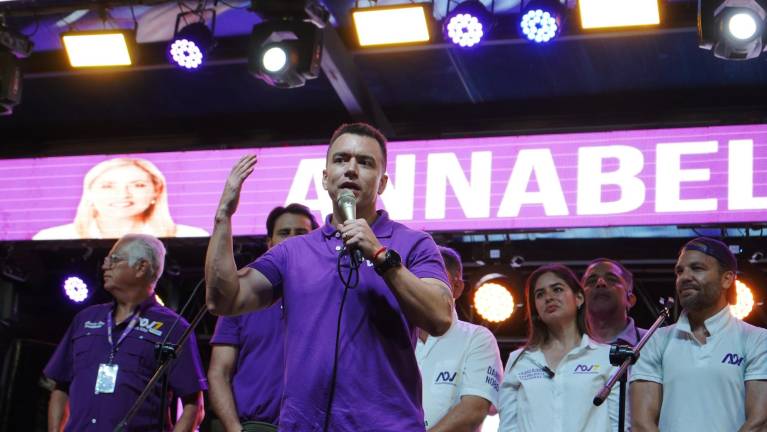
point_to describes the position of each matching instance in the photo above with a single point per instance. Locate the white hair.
(145, 247)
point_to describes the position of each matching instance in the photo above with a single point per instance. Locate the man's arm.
(58, 410)
(222, 361)
(427, 303)
(756, 407)
(466, 416)
(645, 397)
(227, 291)
(194, 411)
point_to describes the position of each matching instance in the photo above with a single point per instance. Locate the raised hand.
(231, 195)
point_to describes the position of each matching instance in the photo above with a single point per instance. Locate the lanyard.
(131, 325)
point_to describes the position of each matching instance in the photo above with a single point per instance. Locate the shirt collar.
(382, 226)
(628, 335)
(142, 308)
(714, 324)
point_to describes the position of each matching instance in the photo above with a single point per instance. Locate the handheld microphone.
(347, 202)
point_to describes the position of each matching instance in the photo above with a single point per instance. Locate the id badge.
(106, 378)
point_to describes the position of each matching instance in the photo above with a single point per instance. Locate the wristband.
(378, 252)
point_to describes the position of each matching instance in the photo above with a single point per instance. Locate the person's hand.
(231, 195)
(357, 234)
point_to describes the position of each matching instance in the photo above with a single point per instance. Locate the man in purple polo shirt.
(107, 355)
(249, 347)
(365, 333)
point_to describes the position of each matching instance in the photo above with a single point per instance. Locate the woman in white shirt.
(550, 383)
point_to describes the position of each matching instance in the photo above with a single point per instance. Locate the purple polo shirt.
(378, 387)
(85, 345)
(257, 381)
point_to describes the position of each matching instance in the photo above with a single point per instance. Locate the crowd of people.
(299, 346)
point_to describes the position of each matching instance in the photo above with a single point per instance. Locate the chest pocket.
(136, 354)
(84, 354)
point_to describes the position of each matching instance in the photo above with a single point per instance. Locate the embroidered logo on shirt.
(492, 377)
(586, 369)
(733, 359)
(94, 325)
(152, 327)
(531, 374)
(446, 378)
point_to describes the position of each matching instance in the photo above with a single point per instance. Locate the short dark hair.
(294, 208)
(451, 258)
(625, 273)
(362, 129)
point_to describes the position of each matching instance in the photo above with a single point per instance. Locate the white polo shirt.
(465, 361)
(704, 384)
(533, 402)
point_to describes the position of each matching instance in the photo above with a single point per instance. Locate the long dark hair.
(538, 333)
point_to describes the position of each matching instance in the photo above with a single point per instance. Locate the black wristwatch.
(391, 260)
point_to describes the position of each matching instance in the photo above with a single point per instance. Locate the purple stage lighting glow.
(76, 289)
(186, 54)
(539, 25)
(464, 29)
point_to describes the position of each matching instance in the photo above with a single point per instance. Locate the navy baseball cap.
(714, 248)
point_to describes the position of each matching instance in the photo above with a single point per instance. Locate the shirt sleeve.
(756, 355)
(425, 261)
(271, 265)
(507, 405)
(649, 367)
(227, 331)
(186, 375)
(60, 367)
(482, 372)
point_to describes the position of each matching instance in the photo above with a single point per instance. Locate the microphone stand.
(625, 356)
(165, 352)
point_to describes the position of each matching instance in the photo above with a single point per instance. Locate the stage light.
(493, 299)
(732, 29)
(76, 289)
(467, 24)
(392, 25)
(191, 44)
(13, 46)
(744, 300)
(99, 48)
(597, 14)
(285, 53)
(541, 21)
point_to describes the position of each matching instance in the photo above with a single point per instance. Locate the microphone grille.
(346, 197)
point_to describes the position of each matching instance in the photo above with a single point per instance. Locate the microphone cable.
(351, 280)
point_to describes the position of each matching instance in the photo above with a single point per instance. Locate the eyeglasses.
(111, 260)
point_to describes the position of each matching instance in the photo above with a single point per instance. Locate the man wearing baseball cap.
(707, 372)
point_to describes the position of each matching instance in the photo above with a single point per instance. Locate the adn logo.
(586, 369)
(446, 378)
(733, 359)
(152, 327)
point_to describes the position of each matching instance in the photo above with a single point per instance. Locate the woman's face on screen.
(122, 192)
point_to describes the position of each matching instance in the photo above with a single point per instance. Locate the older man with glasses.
(107, 355)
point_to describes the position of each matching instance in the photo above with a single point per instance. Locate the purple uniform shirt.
(85, 345)
(378, 387)
(257, 381)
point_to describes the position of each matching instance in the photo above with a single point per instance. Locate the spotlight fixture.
(13, 46)
(602, 14)
(392, 25)
(99, 48)
(541, 20)
(733, 29)
(75, 289)
(493, 298)
(191, 44)
(467, 23)
(285, 53)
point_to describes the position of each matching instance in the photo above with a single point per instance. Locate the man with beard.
(609, 289)
(707, 372)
